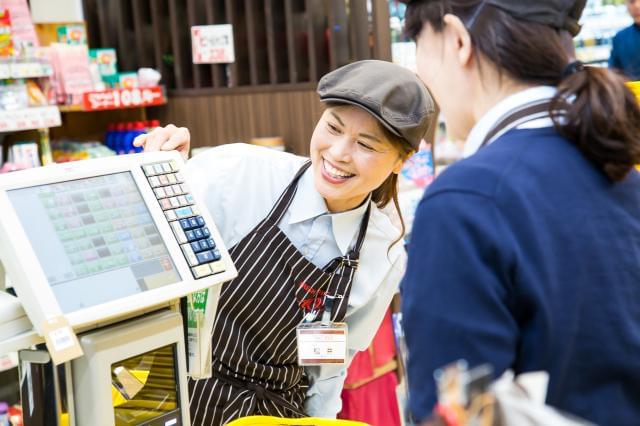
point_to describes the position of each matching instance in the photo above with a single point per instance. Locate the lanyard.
(516, 117)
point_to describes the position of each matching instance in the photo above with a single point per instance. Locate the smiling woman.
(313, 240)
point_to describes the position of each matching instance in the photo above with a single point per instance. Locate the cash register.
(113, 248)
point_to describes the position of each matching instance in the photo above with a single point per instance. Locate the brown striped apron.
(254, 358)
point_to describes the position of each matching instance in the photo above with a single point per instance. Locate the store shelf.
(29, 118)
(119, 99)
(32, 69)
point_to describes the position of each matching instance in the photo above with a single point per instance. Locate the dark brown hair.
(592, 108)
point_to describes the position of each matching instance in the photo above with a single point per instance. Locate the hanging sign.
(212, 44)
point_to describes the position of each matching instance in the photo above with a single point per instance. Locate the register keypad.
(183, 215)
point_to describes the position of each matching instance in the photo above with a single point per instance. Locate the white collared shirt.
(240, 183)
(499, 110)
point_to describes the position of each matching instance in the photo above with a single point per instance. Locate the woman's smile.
(334, 174)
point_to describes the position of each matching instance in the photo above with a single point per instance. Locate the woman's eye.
(333, 128)
(365, 146)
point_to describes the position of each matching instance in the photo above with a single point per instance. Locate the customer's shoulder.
(625, 33)
(516, 156)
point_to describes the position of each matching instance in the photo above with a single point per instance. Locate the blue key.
(200, 220)
(195, 246)
(206, 232)
(194, 222)
(185, 224)
(183, 212)
(190, 236)
(203, 245)
(199, 234)
(205, 257)
(216, 254)
(210, 243)
(189, 198)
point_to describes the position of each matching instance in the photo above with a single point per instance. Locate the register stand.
(115, 269)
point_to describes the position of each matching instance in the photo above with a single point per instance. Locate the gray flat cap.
(559, 14)
(392, 94)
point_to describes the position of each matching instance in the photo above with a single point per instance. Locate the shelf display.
(29, 118)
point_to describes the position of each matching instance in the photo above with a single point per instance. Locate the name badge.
(322, 343)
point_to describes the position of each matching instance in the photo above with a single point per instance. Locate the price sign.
(123, 98)
(212, 44)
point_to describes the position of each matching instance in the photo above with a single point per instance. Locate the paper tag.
(322, 343)
(61, 341)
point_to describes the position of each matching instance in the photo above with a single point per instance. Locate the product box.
(122, 80)
(128, 80)
(25, 154)
(6, 43)
(71, 71)
(106, 59)
(72, 34)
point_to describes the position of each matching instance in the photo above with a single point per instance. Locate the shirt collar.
(308, 204)
(491, 117)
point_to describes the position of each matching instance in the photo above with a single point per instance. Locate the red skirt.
(369, 393)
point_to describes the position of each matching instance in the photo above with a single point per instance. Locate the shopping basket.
(278, 421)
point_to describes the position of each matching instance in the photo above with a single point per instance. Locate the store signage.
(123, 98)
(212, 44)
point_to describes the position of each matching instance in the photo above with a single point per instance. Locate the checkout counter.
(114, 272)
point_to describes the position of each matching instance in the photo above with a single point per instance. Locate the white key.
(189, 254)
(160, 193)
(178, 232)
(201, 271)
(171, 215)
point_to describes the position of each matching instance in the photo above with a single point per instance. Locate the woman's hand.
(166, 138)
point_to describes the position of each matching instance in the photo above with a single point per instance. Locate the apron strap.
(259, 391)
(514, 118)
(283, 203)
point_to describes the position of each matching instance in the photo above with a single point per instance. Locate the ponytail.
(596, 111)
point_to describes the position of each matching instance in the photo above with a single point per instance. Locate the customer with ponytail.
(526, 254)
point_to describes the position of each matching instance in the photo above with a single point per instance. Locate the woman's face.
(350, 157)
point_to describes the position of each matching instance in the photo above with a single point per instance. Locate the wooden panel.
(359, 30)
(381, 30)
(251, 41)
(210, 8)
(291, 47)
(271, 42)
(215, 120)
(233, 76)
(191, 14)
(104, 25)
(311, 41)
(175, 44)
(156, 22)
(138, 25)
(118, 17)
(277, 42)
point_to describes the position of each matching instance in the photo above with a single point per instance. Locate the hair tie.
(572, 68)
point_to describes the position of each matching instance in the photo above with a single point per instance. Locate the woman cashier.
(309, 239)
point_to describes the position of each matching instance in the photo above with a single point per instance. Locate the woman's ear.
(459, 39)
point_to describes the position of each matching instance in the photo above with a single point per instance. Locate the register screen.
(95, 239)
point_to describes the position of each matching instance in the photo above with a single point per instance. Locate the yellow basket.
(278, 421)
(634, 86)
